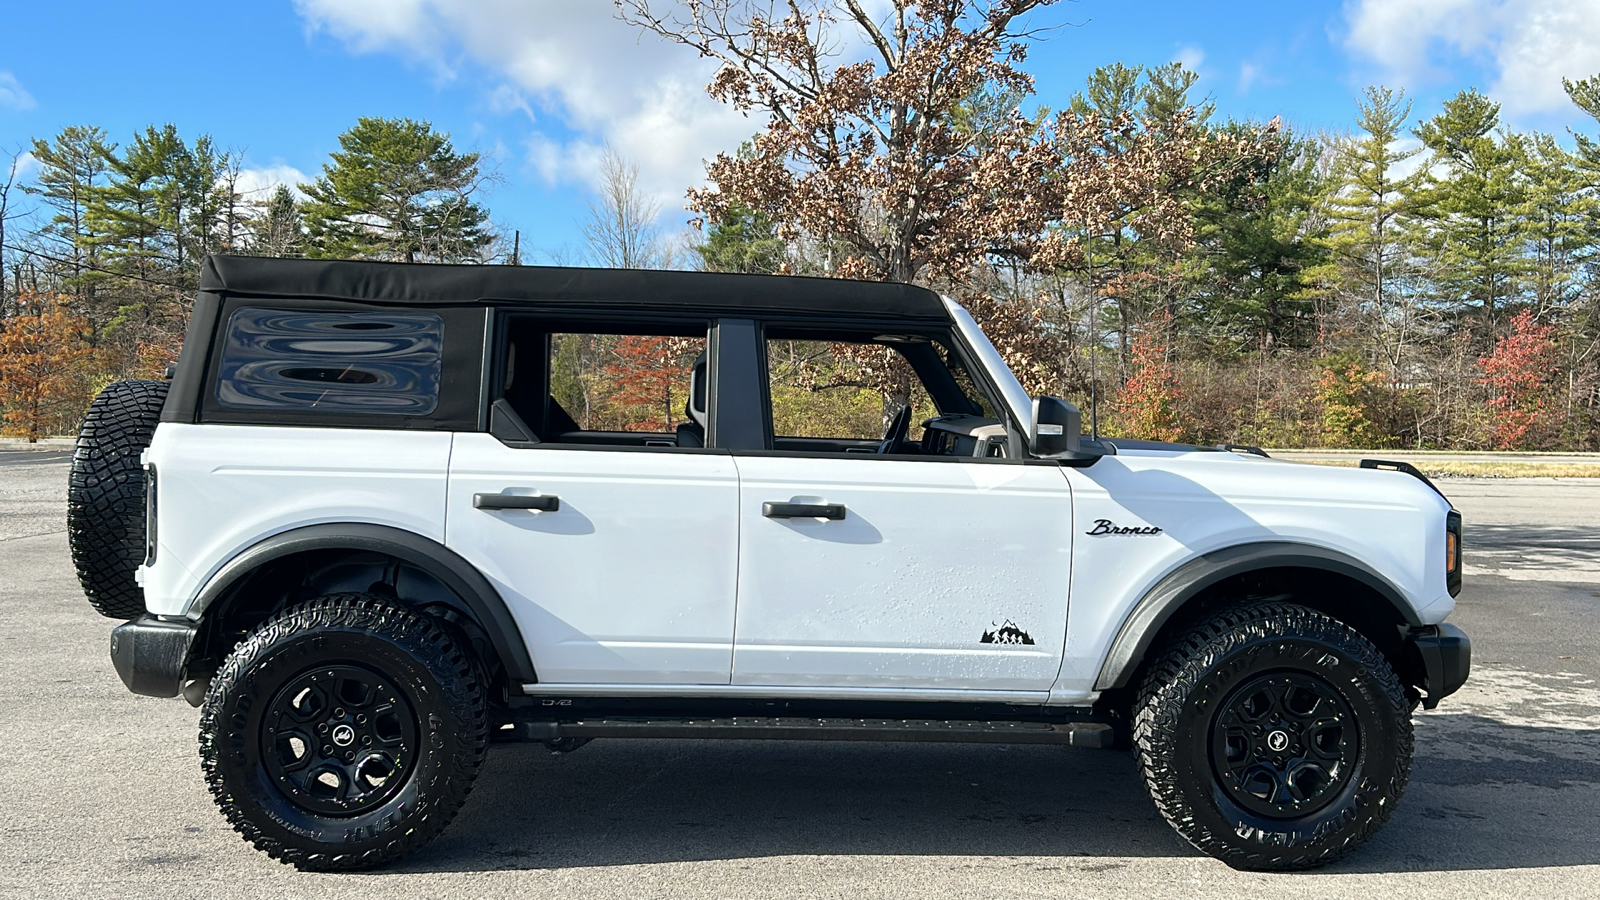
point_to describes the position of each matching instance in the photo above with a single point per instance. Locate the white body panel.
(1205, 501)
(931, 555)
(225, 488)
(630, 581)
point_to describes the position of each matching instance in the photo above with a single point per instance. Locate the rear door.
(614, 547)
(898, 570)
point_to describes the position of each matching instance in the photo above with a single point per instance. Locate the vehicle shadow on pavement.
(1508, 796)
(1487, 794)
(628, 802)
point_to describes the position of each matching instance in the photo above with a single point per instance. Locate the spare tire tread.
(106, 494)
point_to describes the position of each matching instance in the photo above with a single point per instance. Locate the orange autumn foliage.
(42, 358)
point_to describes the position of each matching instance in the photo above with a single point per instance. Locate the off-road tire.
(437, 682)
(105, 494)
(1186, 693)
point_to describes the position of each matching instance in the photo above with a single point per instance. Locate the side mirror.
(1056, 431)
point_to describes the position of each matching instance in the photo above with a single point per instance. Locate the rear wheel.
(344, 733)
(1272, 736)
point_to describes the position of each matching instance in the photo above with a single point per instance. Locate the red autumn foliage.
(651, 381)
(1148, 404)
(1518, 372)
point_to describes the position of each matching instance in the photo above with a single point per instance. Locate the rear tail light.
(149, 515)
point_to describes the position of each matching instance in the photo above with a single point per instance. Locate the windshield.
(1011, 389)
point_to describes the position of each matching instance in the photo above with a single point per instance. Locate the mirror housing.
(1056, 431)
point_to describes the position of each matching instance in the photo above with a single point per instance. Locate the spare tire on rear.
(105, 494)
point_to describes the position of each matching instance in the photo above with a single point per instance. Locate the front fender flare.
(455, 573)
(1182, 584)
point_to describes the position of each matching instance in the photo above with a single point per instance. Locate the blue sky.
(539, 86)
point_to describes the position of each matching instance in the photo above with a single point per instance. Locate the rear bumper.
(1445, 656)
(150, 654)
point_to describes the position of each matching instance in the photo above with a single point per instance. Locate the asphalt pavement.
(101, 793)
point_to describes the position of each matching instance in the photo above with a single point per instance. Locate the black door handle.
(833, 511)
(545, 503)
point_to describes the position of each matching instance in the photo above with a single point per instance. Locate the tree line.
(1421, 278)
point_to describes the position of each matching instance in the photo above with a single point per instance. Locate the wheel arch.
(297, 564)
(1327, 580)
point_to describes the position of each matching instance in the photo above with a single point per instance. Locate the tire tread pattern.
(1186, 659)
(105, 494)
(416, 634)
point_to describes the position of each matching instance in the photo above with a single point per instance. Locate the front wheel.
(344, 733)
(1272, 737)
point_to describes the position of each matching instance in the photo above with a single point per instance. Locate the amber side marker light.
(1451, 542)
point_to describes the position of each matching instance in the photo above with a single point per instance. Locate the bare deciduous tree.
(621, 229)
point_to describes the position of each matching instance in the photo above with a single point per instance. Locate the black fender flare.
(1182, 584)
(462, 578)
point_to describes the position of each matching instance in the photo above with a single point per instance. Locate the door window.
(882, 394)
(602, 384)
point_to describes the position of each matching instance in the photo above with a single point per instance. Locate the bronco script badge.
(1106, 526)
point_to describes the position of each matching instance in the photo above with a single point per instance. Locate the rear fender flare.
(455, 573)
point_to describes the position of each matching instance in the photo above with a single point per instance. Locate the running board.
(760, 728)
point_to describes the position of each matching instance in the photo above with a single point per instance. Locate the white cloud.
(1530, 45)
(506, 98)
(606, 81)
(1249, 73)
(23, 166)
(1190, 57)
(258, 183)
(12, 94)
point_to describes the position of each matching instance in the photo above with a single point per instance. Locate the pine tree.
(71, 169)
(278, 231)
(1262, 249)
(133, 215)
(1470, 205)
(742, 241)
(1559, 216)
(1371, 214)
(396, 190)
(1586, 94)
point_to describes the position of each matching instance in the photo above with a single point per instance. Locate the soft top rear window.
(382, 363)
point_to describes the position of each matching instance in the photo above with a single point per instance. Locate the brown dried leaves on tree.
(870, 143)
(42, 357)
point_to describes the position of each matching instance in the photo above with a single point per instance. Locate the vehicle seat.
(693, 432)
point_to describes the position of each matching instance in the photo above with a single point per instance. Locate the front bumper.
(150, 654)
(1443, 657)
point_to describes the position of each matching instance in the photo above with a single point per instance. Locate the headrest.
(697, 392)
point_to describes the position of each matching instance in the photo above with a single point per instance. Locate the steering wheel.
(899, 428)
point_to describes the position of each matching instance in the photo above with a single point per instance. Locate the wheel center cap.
(344, 735)
(1277, 741)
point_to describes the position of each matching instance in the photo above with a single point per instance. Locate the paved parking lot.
(101, 795)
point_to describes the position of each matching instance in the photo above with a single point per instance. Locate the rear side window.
(381, 363)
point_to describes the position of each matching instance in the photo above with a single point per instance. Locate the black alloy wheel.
(339, 740)
(1284, 744)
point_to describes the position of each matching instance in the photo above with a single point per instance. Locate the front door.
(894, 561)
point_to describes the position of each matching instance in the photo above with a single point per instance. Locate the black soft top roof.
(419, 283)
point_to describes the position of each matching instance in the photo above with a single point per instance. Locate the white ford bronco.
(383, 515)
